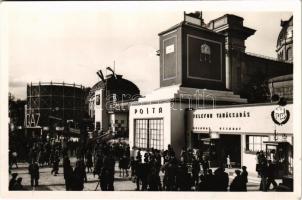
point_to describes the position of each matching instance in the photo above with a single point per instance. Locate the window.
(149, 133)
(255, 143)
(140, 134)
(98, 100)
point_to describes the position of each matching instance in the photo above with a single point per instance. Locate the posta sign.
(244, 119)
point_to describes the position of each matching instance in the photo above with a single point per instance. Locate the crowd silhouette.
(152, 170)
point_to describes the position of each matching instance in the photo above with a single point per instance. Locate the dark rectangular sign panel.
(204, 59)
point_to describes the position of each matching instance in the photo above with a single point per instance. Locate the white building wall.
(146, 112)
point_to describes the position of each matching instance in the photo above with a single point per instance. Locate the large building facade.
(204, 70)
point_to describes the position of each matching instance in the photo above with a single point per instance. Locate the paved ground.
(49, 182)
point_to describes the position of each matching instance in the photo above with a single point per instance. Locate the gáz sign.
(280, 115)
(32, 120)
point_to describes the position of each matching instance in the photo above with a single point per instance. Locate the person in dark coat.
(132, 166)
(138, 172)
(33, 170)
(12, 181)
(244, 176)
(263, 170)
(225, 179)
(68, 173)
(271, 170)
(55, 163)
(209, 181)
(221, 179)
(154, 178)
(186, 183)
(107, 173)
(78, 177)
(145, 167)
(237, 183)
(98, 165)
(89, 162)
(195, 171)
(18, 185)
(205, 165)
(170, 171)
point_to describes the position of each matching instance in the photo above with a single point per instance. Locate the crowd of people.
(189, 173)
(152, 170)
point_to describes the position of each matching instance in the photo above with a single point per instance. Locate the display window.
(149, 133)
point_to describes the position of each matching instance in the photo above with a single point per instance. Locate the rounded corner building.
(51, 104)
(109, 101)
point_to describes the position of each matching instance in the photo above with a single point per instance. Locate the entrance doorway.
(218, 149)
(230, 145)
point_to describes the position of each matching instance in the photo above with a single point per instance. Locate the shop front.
(241, 132)
(157, 125)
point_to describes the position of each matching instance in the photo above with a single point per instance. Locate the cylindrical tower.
(54, 101)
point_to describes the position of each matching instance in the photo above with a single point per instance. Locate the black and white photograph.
(175, 98)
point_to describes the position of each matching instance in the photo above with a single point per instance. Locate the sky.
(70, 42)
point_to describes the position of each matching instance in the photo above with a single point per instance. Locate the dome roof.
(117, 85)
(286, 31)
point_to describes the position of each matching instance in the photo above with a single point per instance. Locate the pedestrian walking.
(78, 177)
(195, 171)
(205, 165)
(229, 166)
(244, 176)
(55, 165)
(14, 159)
(263, 170)
(33, 170)
(89, 162)
(107, 172)
(68, 173)
(271, 170)
(138, 172)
